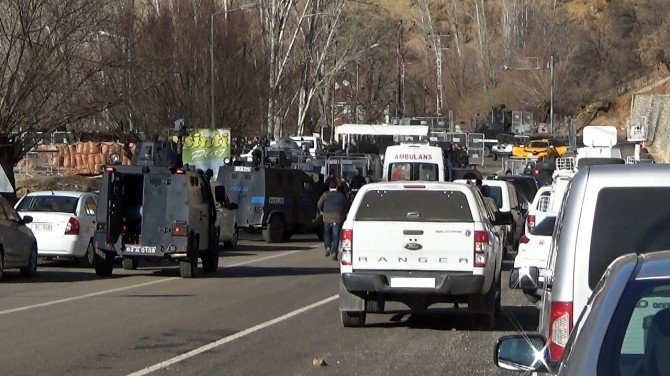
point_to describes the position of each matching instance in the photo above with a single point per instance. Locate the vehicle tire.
(494, 156)
(189, 265)
(104, 265)
(274, 230)
(233, 242)
(30, 269)
(2, 263)
(129, 264)
(87, 260)
(493, 298)
(210, 260)
(374, 306)
(353, 319)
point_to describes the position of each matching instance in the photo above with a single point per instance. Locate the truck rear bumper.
(446, 283)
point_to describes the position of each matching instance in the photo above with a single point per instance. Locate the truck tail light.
(347, 246)
(110, 169)
(481, 247)
(179, 228)
(560, 327)
(524, 239)
(72, 227)
(531, 222)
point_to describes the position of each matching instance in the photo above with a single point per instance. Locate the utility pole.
(551, 92)
(399, 110)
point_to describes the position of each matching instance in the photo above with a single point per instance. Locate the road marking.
(230, 338)
(118, 289)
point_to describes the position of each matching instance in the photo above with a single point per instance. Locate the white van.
(313, 142)
(606, 212)
(412, 162)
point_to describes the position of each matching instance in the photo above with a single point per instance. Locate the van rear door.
(413, 229)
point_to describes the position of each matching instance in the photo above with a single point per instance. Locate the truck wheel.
(189, 265)
(274, 231)
(353, 319)
(129, 264)
(210, 261)
(104, 265)
(374, 306)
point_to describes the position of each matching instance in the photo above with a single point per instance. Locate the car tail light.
(180, 171)
(72, 227)
(179, 229)
(481, 248)
(531, 222)
(536, 172)
(560, 326)
(347, 246)
(524, 239)
(110, 169)
(124, 229)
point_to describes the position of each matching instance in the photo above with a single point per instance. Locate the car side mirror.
(220, 193)
(27, 219)
(526, 352)
(503, 218)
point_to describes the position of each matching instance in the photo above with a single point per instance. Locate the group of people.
(335, 199)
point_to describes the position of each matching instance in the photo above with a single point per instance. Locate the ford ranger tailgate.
(413, 230)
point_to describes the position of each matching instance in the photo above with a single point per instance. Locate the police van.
(412, 162)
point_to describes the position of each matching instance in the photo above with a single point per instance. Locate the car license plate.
(137, 249)
(412, 282)
(44, 227)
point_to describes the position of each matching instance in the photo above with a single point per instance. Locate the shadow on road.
(263, 247)
(261, 271)
(44, 276)
(514, 319)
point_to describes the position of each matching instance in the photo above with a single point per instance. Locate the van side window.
(91, 206)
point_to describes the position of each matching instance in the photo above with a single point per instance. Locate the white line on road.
(230, 338)
(118, 289)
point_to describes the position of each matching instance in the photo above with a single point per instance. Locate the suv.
(152, 211)
(419, 244)
(607, 211)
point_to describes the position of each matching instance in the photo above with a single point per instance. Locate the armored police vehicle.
(153, 210)
(277, 201)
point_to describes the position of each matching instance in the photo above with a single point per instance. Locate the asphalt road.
(271, 309)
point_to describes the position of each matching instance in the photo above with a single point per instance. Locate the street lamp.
(211, 53)
(550, 66)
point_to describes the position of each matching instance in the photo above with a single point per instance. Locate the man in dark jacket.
(332, 205)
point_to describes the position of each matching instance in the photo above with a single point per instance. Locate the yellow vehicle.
(539, 148)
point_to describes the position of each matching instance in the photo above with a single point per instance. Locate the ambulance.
(414, 162)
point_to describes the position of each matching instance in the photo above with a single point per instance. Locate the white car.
(63, 223)
(226, 219)
(534, 249)
(540, 208)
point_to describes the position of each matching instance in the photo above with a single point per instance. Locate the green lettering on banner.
(206, 145)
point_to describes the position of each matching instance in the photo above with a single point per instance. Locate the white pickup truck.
(419, 243)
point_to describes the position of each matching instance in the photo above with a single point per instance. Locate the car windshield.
(415, 206)
(545, 228)
(538, 144)
(409, 171)
(49, 204)
(638, 338)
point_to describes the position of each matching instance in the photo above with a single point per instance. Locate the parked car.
(624, 330)
(18, 247)
(608, 211)
(394, 248)
(526, 187)
(63, 223)
(533, 252)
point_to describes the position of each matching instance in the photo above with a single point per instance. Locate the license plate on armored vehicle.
(137, 249)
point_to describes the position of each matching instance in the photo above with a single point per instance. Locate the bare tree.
(46, 69)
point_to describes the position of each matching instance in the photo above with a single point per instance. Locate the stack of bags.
(88, 158)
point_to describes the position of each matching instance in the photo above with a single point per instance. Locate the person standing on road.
(357, 181)
(332, 206)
